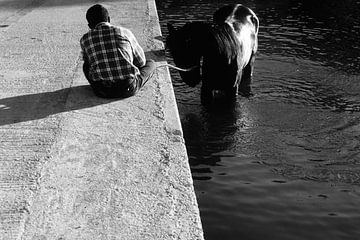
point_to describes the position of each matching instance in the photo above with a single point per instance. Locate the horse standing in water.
(227, 50)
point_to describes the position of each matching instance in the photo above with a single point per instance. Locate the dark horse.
(223, 51)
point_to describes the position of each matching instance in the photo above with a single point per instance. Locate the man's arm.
(138, 52)
(86, 64)
(83, 53)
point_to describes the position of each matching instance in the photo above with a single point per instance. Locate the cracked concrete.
(74, 166)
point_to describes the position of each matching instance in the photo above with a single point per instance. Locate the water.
(285, 163)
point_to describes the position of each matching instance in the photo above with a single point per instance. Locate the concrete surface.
(74, 166)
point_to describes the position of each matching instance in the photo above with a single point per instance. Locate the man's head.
(97, 14)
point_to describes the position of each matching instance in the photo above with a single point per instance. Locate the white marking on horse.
(245, 31)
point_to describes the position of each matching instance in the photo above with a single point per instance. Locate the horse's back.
(237, 15)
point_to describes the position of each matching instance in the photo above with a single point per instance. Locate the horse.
(220, 54)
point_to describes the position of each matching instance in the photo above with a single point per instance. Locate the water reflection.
(212, 130)
(283, 164)
(304, 82)
(323, 31)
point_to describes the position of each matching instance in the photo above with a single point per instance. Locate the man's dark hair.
(96, 14)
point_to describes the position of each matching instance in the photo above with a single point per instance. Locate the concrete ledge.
(81, 167)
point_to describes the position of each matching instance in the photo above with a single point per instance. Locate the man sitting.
(114, 63)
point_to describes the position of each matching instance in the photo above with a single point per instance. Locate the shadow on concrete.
(41, 105)
(156, 55)
(20, 4)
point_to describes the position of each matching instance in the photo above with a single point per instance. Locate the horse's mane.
(226, 40)
(216, 38)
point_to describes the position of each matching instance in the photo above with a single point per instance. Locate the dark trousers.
(122, 89)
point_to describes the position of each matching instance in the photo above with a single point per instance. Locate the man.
(114, 63)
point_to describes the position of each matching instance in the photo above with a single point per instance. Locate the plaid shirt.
(113, 53)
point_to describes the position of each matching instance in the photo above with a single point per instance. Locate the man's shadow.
(41, 105)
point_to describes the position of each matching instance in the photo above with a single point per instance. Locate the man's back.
(114, 62)
(112, 52)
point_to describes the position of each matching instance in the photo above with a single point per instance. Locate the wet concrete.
(74, 166)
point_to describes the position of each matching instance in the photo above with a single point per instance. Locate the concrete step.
(75, 166)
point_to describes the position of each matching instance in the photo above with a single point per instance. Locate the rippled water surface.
(285, 163)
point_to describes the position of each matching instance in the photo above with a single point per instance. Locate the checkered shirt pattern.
(112, 52)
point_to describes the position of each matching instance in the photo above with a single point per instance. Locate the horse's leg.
(231, 93)
(206, 94)
(246, 78)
